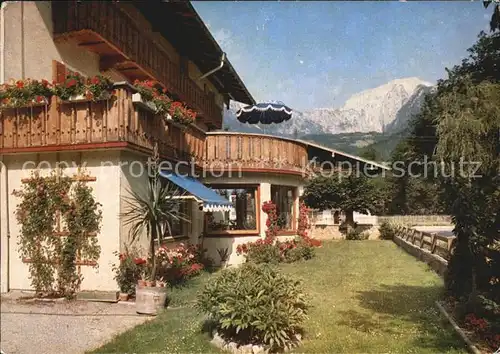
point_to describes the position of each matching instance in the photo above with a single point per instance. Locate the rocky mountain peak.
(378, 109)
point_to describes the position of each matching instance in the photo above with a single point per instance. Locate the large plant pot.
(149, 299)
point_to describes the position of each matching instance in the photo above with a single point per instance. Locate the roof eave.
(219, 49)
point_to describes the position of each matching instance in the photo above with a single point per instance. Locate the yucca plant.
(153, 211)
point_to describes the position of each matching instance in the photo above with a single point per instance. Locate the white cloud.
(336, 90)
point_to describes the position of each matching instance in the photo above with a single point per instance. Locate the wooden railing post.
(433, 243)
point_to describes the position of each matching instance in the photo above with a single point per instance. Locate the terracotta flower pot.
(141, 282)
(123, 297)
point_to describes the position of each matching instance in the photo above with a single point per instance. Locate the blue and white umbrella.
(264, 113)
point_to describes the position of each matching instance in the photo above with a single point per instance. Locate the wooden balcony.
(84, 125)
(103, 28)
(254, 152)
(121, 123)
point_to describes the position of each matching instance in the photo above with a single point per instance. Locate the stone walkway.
(29, 326)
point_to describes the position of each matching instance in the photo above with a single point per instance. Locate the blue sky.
(316, 54)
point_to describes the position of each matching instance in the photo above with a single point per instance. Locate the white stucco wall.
(30, 49)
(106, 191)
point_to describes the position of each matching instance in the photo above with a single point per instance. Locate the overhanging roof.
(314, 149)
(181, 25)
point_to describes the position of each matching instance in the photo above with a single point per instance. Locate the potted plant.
(151, 212)
(224, 256)
(128, 271)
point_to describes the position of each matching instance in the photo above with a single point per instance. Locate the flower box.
(82, 98)
(148, 105)
(33, 103)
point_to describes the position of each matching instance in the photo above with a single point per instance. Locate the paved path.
(62, 327)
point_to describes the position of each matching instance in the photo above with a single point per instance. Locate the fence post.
(433, 243)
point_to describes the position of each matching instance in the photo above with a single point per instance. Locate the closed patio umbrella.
(264, 113)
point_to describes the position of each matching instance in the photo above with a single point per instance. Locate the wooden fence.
(431, 248)
(414, 220)
(431, 242)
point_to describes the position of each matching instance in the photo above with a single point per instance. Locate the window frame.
(185, 205)
(217, 233)
(295, 204)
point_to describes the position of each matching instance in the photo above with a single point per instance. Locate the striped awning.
(203, 194)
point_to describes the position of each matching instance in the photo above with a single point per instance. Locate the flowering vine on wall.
(52, 257)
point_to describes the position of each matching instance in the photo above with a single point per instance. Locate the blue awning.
(210, 199)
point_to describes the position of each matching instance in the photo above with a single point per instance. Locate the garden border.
(472, 348)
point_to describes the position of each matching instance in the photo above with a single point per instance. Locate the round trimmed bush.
(255, 304)
(387, 231)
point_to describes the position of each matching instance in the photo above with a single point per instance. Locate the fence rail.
(434, 243)
(413, 220)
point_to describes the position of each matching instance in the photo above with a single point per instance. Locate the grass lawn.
(367, 296)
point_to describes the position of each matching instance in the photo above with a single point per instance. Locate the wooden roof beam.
(110, 61)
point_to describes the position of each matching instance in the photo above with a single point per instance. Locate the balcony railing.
(120, 123)
(117, 30)
(234, 151)
(85, 125)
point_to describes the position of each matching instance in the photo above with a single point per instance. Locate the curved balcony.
(227, 151)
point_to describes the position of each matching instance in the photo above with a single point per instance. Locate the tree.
(348, 192)
(370, 153)
(495, 18)
(468, 127)
(153, 211)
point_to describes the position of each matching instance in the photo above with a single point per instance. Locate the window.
(243, 216)
(284, 198)
(178, 227)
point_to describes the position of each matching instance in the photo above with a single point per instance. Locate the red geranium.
(139, 261)
(71, 83)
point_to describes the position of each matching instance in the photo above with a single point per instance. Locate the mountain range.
(379, 112)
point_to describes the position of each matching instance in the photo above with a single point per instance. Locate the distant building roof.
(181, 25)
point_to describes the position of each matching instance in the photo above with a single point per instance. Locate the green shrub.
(295, 250)
(255, 304)
(387, 231)
(356, 235)
(261, 251)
